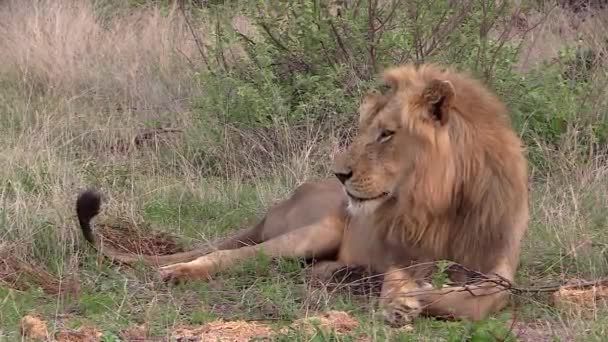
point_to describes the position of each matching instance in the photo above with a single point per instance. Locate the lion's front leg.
(322, 238)
(398, 300)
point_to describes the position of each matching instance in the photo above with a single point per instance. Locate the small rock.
(33, 327)
(135, 333)
(580, 300)
(339, 321)
(83, 334)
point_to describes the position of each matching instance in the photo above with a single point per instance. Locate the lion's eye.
(385, 135)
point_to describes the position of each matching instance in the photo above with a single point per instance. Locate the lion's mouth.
(364, 199)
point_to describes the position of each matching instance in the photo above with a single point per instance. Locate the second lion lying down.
(435, 173)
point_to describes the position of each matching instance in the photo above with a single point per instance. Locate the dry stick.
(442, 31)
(371, 33)
(494, 281)
(273, 38)
(148, 134)
(537, 24)
(389, 17)
(334, 31)
(505, 36)
(197, 41)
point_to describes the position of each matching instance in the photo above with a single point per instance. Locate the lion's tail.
(87, 207)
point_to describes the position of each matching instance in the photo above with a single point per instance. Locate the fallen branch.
(147, 134)
(197, 40)
(141, 138)
(476, 281)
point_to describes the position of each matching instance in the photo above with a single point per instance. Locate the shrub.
(312, 62)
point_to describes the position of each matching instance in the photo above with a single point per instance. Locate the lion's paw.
(326, 270)
(400, 310)
(181, 271)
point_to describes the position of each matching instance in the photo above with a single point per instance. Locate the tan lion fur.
(469, 187)
(435, 172)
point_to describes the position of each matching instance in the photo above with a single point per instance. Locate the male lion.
(435, 173)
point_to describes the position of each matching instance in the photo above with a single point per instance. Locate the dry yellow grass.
(75, 83)
(143, 59)
(557, 28)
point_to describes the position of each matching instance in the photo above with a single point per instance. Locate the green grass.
(60, 127)
(276, 291)
(194, 213)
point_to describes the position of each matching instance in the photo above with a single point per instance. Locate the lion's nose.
(343, 177)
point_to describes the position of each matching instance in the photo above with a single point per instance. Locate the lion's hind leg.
(316, 240)
(245, 237)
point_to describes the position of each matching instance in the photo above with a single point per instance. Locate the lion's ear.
(438, 96)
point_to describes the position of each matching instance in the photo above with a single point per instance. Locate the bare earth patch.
(583, 301)
(128, 238)
(33, 327)
(338, 321)
(237, 331)
(539, 331)
(135, 333)
(82, 334)
(22, 275)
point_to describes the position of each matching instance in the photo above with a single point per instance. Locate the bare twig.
(148, 134)
(197, 41)
(220, 51)
(339, 41)
(477, 281)
(443, 31)
(275, 40)
(245, 37)
(558, 286)
(389, 17)
(371, 34)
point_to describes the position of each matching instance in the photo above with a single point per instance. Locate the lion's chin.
(358, 205)
(365, 199)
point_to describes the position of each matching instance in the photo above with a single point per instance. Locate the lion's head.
(435, 155)
(397, 129)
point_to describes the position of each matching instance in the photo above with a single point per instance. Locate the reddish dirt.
(583, 301)
(33, 327)
(126, 237)
(82, 334)
(338, 321)
(538, 331)
(235, 331)
(22, 275)
(136, 333)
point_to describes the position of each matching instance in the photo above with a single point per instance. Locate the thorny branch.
(479, 281)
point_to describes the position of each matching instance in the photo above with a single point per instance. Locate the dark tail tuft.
(87, 207)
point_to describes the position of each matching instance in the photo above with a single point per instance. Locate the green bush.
(310, 65)
(552, 102)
